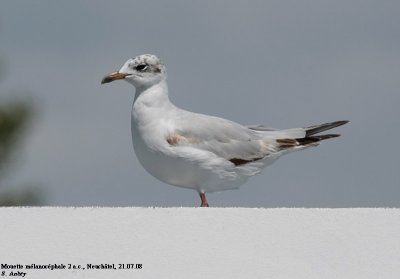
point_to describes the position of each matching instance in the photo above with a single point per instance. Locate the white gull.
(196, 151)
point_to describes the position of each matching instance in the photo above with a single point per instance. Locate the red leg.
(203, 198)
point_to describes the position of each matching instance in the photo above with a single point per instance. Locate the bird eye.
(141, 67)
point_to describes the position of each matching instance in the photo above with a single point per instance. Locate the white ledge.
(204, 242)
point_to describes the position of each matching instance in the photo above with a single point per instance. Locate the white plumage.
(197, 151)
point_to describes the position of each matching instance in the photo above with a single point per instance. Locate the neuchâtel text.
(21, 270)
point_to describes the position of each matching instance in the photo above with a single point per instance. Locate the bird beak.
(113, 76)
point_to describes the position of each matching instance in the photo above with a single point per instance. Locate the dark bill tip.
(106, 79)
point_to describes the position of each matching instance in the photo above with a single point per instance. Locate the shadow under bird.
(196, 151)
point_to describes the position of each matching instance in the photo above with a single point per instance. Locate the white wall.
(204, 242)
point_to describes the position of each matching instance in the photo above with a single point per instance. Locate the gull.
(196, 151)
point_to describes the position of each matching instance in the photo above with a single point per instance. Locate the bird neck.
(153, 96)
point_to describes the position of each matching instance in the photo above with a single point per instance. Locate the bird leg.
(203, 198)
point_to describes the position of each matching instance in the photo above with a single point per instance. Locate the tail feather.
(312, 130)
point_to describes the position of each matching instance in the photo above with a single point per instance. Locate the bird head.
(142, 71)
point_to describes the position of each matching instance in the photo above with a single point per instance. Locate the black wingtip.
(312, 130)
(315, 139)
(341, 122)
(328, 136)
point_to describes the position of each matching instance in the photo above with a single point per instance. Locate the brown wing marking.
(176, 139)
(238, 161)
(287, 143)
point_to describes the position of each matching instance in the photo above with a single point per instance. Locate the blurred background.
(65, 140)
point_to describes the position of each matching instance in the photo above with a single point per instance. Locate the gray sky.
(279, 63)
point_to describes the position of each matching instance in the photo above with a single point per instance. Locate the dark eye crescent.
(141, 67)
